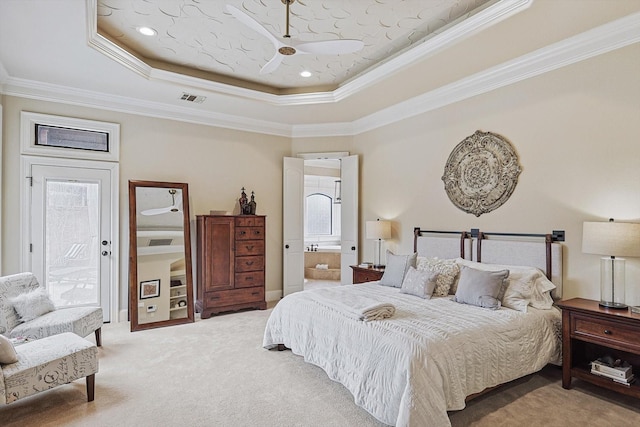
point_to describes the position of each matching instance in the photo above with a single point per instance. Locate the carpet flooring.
(214, 372)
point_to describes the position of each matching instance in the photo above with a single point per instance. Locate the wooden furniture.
(589, 332)
(231, 263)
(362, 274)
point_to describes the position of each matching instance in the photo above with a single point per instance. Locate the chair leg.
(91, 387)
(99, 337)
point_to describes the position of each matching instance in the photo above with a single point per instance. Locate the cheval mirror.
(160, 277)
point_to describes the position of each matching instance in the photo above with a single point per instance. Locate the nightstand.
(589, 332)
(363, 274)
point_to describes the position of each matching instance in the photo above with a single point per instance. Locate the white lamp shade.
(378, 229)
(611, 238)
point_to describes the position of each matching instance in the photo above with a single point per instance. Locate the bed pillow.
(481, 288)
(32, 304)
(420, 283)
(526, 285)
(447, 270)
(7, 352)
(397, 267)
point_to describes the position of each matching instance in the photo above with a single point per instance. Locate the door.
(71, 232)
(349, 218)
(293, 221)
(293, 225)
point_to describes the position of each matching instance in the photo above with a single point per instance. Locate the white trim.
(28, 146)
(462, 29)
(600, 40)
(1, 198)
(323, 155)
(26, 163)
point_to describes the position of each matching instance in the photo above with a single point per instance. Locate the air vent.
(160, 242)
(193, 98)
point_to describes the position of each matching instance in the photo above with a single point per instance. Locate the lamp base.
(611, 304)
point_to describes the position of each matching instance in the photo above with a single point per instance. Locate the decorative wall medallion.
(481, 173)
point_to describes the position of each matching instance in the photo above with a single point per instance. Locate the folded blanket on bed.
(355, 306)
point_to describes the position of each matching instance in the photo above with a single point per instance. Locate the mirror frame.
(133, 255)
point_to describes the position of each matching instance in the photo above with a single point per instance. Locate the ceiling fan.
(326, 47)
(173, 208)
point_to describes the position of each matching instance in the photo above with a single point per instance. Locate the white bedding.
(410, 369)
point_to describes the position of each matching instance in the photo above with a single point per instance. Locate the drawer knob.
(243, 233)
(607, 332)
(249, 263)
(250, 248)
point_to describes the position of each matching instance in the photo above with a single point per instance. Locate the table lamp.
(613, 239)
(378, 230)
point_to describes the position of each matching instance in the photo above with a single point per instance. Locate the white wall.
(577, 133)
(215, 162)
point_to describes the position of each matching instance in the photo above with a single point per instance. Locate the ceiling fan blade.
(156, 211)
(330, 47)
(253, 24)
(272, 64)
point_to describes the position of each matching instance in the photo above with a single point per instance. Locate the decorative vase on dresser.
(230, 263)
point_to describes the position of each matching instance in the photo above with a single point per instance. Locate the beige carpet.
(214, 372)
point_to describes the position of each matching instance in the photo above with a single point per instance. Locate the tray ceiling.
(201, 39)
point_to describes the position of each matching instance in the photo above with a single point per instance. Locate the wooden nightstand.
(589, 332)
(362, 274)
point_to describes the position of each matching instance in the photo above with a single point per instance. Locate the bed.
(431, 354)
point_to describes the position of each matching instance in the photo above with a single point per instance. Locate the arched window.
(318, 214)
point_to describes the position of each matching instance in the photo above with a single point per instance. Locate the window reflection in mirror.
(160, 282)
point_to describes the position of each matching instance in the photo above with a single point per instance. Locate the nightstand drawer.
(605, 332)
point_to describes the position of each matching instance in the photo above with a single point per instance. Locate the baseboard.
(273, 296)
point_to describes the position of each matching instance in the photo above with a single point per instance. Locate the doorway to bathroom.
(322, 223)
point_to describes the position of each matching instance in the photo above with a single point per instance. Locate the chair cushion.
(80, 320)
(10, 287)
(47, 363)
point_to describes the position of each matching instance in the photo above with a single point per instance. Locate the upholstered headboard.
(442, 244)
(534, 250)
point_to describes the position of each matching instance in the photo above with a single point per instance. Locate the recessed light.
(305, 73)
(147, 31)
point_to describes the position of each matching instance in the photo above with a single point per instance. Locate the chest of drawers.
(231, 263)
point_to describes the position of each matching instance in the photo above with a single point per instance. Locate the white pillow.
(32, 304)
(526, 285)
(7, 352)
(397, 267)
(447, 270)
(420, 283)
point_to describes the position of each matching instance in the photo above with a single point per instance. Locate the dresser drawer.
(250, 221)
(605, 332)
(249, 263)
(234, 296)
(250, 279)
(249, 233)
(250, 247)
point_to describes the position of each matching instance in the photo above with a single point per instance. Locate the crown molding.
(608, 37)
(72, 96)
(452, 34)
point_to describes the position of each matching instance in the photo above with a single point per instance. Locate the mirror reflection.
(160, 291)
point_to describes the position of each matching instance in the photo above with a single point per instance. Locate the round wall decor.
(481, 173)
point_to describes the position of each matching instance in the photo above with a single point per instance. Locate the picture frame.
(150, 289)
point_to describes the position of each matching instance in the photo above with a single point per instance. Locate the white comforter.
(410, 369)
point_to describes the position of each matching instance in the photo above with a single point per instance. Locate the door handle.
(286, 246)
(106, 253)
(353, 248)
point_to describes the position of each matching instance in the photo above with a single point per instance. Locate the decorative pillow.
(447, 270)
(420, 283)
(397, 267)
(7, 352)
(481, 288)
(526, 285)
(32, 304)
